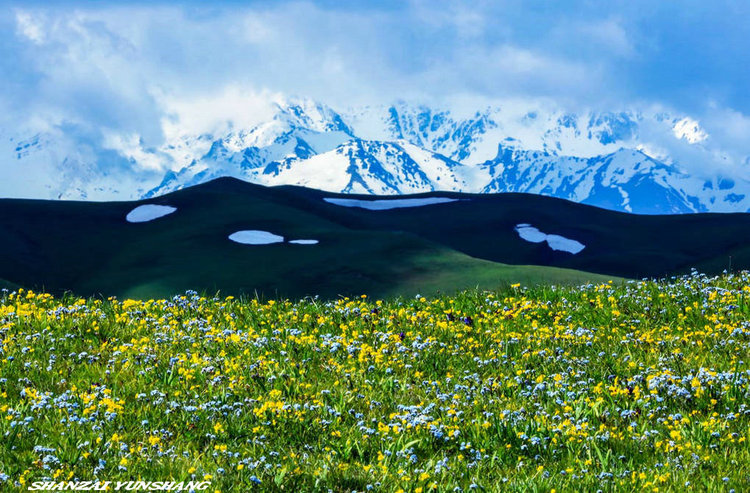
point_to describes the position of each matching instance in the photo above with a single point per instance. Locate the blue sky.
(111, 65)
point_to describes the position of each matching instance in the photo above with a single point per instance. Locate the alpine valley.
(609, 160)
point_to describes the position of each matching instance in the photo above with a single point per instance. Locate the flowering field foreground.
(642, 386)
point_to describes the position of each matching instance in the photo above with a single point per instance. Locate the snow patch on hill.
(255, 237)
(555, 242)
(149, 212)
(381, 205)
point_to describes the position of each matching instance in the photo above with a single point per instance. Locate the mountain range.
(600, 159)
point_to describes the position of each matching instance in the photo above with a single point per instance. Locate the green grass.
(640, 386)
(89, 248)
(7, 285)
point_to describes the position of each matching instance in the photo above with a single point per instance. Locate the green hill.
(89, 248)
(7, 285)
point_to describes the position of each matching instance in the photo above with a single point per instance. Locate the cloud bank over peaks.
(153, 84)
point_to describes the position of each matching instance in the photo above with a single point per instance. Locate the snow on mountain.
(611, 160)
(625, 180)
(474, 139)
(690, 130)
(438, 131)
(355, 166)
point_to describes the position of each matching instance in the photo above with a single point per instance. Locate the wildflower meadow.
(633, 386)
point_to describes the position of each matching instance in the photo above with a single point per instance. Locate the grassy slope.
(90, 248)
(7, 285)
(616, 243)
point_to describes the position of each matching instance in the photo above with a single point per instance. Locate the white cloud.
(655, 152)
(732, 124)
(516, 60)
(131, 147)
(29, 26)
(467, 20)
(338, 56)
(230, 107)
(255, 29)
(140, 76)
(609, 34)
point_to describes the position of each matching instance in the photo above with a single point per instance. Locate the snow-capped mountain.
(627, 180)
(611, 160)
